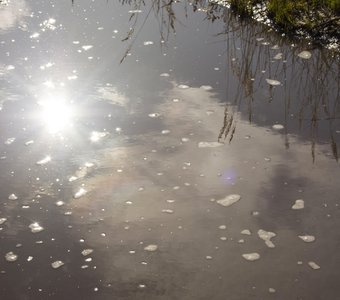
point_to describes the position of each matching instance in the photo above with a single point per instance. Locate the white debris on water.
(305, 54)
(307, 238)
(208, 257)
(277, 126)
(206, 87)
(12, 197)
(185, 139)
(148, 43)
(30, 142)
(167, 211)
(278, 56)
(313, 265)
(59, 203)
(299, 204)
(271, 290)
(29, 258)
(44, 161)
(97, 135)
(87, 47)
(35, 227)
(2, 220)
(246, 232)
(222, 227)
(183, 86)
(154, 115)
(86, 252)
(165, 131)
(57, 264)
(81, 192)
(209, 144)
(251, 256)
(267, 236)
(9, 141)
(11, 257)
(164, 75)
(273, 82)
(135, 11)
(229, 200)
(151, 248)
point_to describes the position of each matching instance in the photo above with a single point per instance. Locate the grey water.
(164, 150)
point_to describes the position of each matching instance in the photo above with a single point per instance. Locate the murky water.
(164, 152)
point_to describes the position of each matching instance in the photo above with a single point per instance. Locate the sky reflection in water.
(112, 173)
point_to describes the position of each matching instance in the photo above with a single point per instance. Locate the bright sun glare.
(56, 113)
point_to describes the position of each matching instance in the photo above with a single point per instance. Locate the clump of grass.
(310, 15)
(302, 13)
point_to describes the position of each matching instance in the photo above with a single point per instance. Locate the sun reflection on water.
(57, 113)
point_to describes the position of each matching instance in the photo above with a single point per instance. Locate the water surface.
(124, 127)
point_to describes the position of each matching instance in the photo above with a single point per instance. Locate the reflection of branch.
(229, 125)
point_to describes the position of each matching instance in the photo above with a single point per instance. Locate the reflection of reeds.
(310, 93)
(311, 88)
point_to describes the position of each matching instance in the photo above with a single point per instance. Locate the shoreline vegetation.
(316, 20)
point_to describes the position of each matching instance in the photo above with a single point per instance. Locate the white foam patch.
(299, 204)
(267, 236)
(151, 248)
(209, 144)
(229, 200)
(273, 82)
(251, 256)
